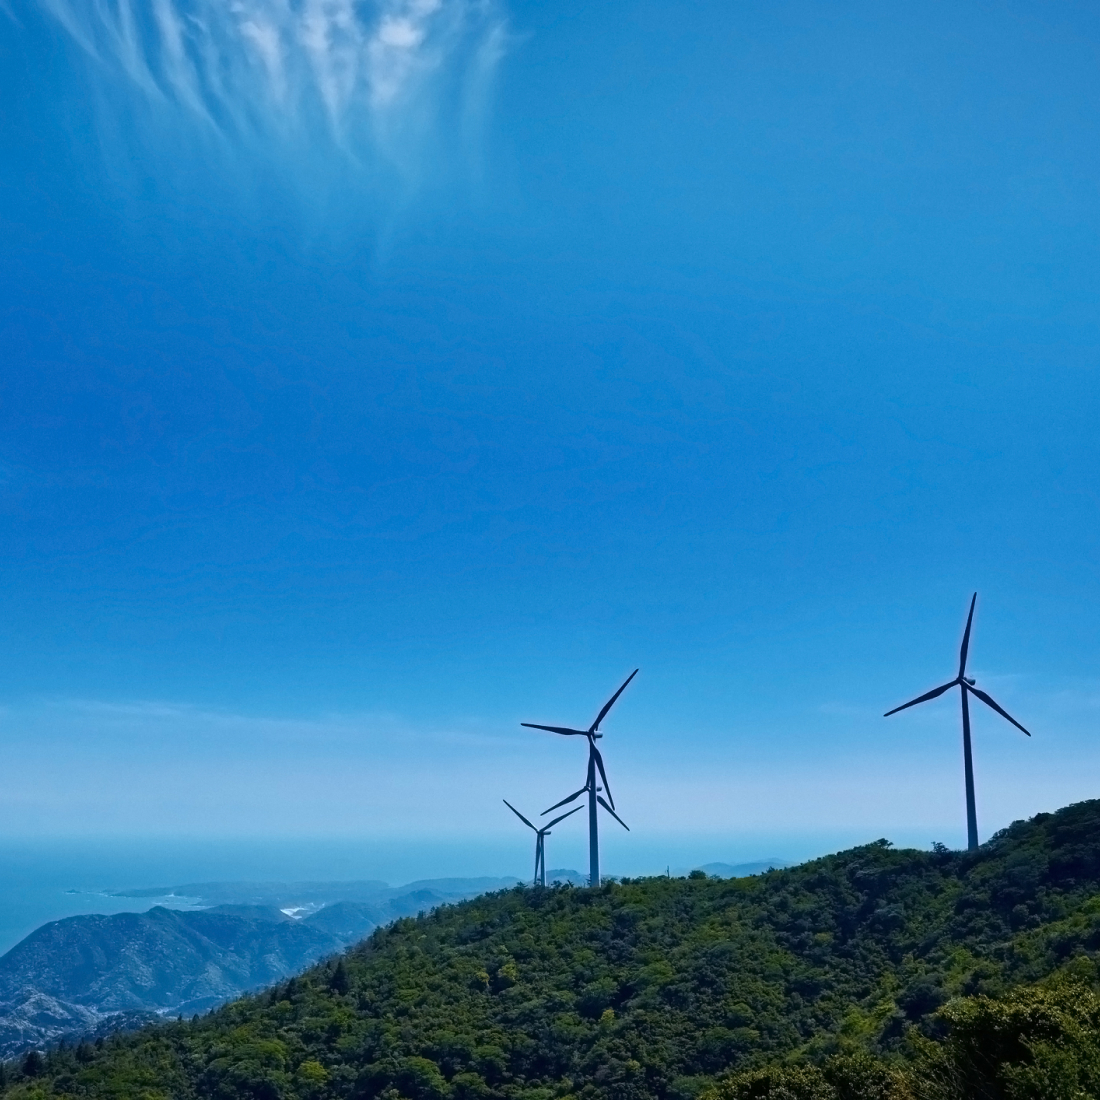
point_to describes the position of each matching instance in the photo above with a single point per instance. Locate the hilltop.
(643, 988)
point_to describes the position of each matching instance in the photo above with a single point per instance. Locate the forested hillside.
(646, 988)
(97, 974)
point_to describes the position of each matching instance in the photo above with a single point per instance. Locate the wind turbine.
(595, 763)
(966, 686)
(540, 834)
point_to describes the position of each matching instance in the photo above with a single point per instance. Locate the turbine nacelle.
(565, 731)
(966, 683)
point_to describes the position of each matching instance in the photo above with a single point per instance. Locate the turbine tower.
(595, 763)
(966, 686)
(540, 834)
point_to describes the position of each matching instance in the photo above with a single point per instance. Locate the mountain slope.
(641, 989)
(163, 958)
(86, 973)
(80, 974)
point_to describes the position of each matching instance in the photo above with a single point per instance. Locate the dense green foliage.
(658, 987)
(1032, 1044)
(838, 1077)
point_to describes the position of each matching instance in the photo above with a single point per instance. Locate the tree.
(1034, 1044)
(339, 982)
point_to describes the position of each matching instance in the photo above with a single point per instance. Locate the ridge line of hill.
(645, 988)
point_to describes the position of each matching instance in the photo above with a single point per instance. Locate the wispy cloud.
(379, 85)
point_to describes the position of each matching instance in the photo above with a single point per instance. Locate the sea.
(46, 879)
(43, 880)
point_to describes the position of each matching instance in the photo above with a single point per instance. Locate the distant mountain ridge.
(71, 975)
(563, 874)
(311, 895)
(743, 870)
(91, 973)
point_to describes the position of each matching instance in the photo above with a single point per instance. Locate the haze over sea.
(45, 880)
(378, 376)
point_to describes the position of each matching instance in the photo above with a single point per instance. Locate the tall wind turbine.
(540, 844)
(966, 687)
(595, 763)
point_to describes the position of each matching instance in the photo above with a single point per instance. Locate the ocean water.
(45, 880)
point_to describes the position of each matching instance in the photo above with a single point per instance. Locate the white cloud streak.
(383, 84)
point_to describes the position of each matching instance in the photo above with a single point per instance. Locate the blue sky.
(380, 376)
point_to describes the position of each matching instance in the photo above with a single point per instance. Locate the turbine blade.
(556, 729)
(999, 709)
(517, 813)
(966, 637)
(565, 801)
(922, 698)
(599, 799)
(546, 828)
(610, 703)
(603, 774)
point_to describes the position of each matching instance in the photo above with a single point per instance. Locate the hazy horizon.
(44, 879)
